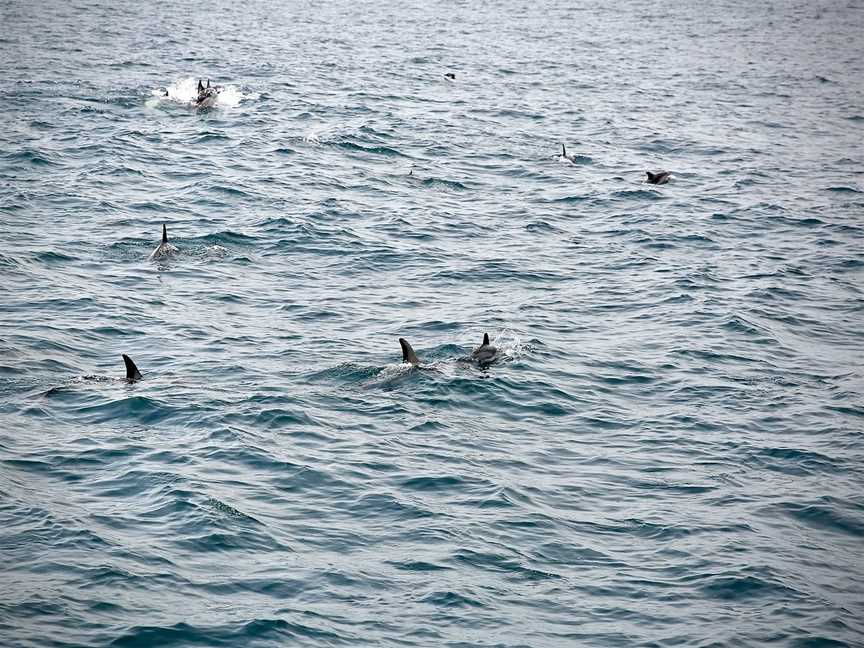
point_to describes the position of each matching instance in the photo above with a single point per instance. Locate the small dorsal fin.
(164, 233)
(132, 373)
(408, 354)
(563, 150)
(208, 83)
(200, 86)
(485, 339)
(651, 176)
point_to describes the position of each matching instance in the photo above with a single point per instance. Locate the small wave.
(638, 194)
(572, 199)
(541, 227)
(844, 190)
(375, 150)
(742, 587)
(51, 257)
(451, 185)
(145, 410)
(449, 599)
(35, 158)
(826, 514)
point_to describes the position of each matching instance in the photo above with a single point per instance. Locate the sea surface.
(668, 448)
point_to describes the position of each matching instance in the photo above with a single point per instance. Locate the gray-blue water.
(668, 451)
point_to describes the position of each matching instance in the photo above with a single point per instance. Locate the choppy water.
(668, 451)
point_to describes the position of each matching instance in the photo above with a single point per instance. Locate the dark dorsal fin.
(563, 150)
(164, 233)
(200, 86)
(485, 339)
(408, 354)
(132, 373)
(208, 83)
(651, 176)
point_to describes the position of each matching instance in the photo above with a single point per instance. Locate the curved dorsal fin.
(208, 83)
(408, 354)
(651, 176)
(200, 86)
(485, 339)
(563, 150)
(164, 233)
(132, 373)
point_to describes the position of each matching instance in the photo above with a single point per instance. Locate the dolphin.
(208, 96)
(408, 354)
(485, 354)
(569, 158)
(132, 373)
(660, 177)
(165, 249)
(450, 75)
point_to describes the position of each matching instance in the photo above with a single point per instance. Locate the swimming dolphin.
(484, 354)
(132, 373)
(165, 249)
(207, 96)
(450, 75)
(569, 158)
(661, 177)
(408, 354)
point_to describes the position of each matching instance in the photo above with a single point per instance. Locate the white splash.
(185, 91)
(509, 344)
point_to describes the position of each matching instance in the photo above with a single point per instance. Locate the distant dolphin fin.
(651, 176)
(485, 339)
(208, 83)
(164, 234)
(132, 373)
(408, 354)
(200, 86)
(563, 150)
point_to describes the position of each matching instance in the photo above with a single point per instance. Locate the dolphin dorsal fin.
(408, 354)
(200, 86)
(164, 233)
(132, 373)
(651, 176)
(485, 339)
(563, 150)
(208, 83)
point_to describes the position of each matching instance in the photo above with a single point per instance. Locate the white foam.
(185, 91)
(509, 344)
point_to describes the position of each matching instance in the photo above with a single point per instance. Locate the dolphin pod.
(483, 355)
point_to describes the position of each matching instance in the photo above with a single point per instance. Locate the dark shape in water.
(450, 75)
(164, 249)
(660, 177)
(132, 373)
(408, 354)
(485, 354)
(208, 95)
(570, 158)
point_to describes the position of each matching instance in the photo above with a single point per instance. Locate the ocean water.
(668, 449)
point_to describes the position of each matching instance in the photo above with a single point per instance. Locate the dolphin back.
(485, 353)
(408, 354)
(132, 373)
